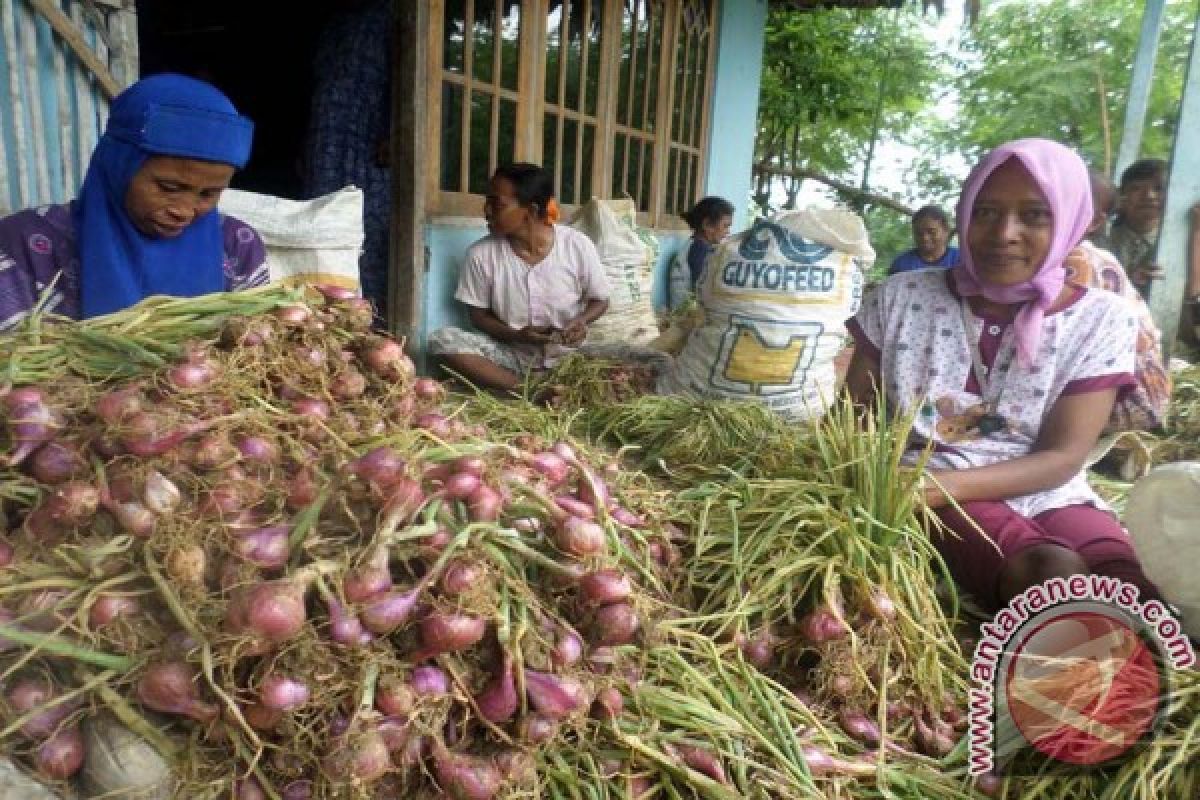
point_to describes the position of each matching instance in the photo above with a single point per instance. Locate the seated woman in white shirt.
(531, 287)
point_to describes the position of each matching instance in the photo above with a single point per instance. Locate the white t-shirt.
(552, 292)
(915, 324)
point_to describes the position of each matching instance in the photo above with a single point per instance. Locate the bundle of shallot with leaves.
(286, 562)
(826, 582)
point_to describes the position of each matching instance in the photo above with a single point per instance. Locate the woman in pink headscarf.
(1011, 374)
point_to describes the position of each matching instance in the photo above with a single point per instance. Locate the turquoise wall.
(735, 104)
(730, 157)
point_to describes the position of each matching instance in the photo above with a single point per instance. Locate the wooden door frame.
(408, 255)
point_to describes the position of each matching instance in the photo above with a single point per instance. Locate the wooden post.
(122, 30)
(72, 35)
(407, 254)
(1183, 191)
(1140, 84)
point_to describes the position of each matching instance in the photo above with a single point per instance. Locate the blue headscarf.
(166, 115)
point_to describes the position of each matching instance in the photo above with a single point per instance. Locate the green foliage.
(1061, 69)
(891, 235)
(1054, 68)
(822, 78)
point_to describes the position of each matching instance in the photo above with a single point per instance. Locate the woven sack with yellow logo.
(776, 299)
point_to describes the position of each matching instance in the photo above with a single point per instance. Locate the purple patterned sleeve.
(245, 255)
(35, 246)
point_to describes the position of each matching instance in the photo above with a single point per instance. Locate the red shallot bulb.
(61, 755)
(604, 586)
(386, 358)
(580, 537)
(429, 390)
(273, 610)
(448, 632)
(282, 692)
(359, 757)
(555, 695)
(393, 698)
(498, 701)
(56, 461)
(107, 607)
(192, 375)
(429, 682)
(258, 450)
(615, 624)
(380, 467)
(371, 578)
(35, 695)
(170, 687)
(118, 404)
(465, 776)
(386, 612)
(31, 423)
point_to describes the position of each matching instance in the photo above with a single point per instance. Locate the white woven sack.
(629, 257)
(308, 241)
(776, 298)
(1162, 514)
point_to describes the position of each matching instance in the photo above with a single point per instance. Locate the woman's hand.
(1143, 274)
(575, 332)
(937, 488)
(535, 334)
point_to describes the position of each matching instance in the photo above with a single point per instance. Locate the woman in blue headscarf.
(145, 222)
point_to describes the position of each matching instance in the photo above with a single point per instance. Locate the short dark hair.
(533, 184)
(935, 213)
(1145, 169)
(709, 209)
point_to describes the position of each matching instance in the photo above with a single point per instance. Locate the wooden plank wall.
(52, 106)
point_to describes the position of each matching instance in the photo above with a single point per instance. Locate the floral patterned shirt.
(914, 323)
(38, 244)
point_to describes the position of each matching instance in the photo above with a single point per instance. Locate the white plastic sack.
(16, 785)
(119, 763)
(308, 241)
(776, 299)
(629, 256)
(1162, 514)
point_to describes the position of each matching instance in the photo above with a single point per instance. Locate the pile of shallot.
(288, 551)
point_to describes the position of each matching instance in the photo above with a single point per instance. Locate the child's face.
(1142, 203)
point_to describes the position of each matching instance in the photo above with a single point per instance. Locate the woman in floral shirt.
(1011, 374)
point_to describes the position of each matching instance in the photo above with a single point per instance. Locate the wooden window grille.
(479, 79)
(612, 95)
(574, 57)
(690, 110)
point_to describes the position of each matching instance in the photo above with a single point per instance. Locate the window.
(479, 95)
(612, 95)
(574, 56)
(690, 110)
(637, 100)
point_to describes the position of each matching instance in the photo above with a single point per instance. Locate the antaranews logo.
(1075, 671)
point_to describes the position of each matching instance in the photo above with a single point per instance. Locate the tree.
(833, 82)
(1058, 69)
(1053, 68)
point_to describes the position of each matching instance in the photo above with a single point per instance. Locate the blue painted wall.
(735, 104)
(730, 157)
(51, 86)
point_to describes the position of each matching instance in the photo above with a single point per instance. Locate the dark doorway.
(260, 53)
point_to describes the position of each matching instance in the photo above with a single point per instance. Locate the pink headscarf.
(1063, 179)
